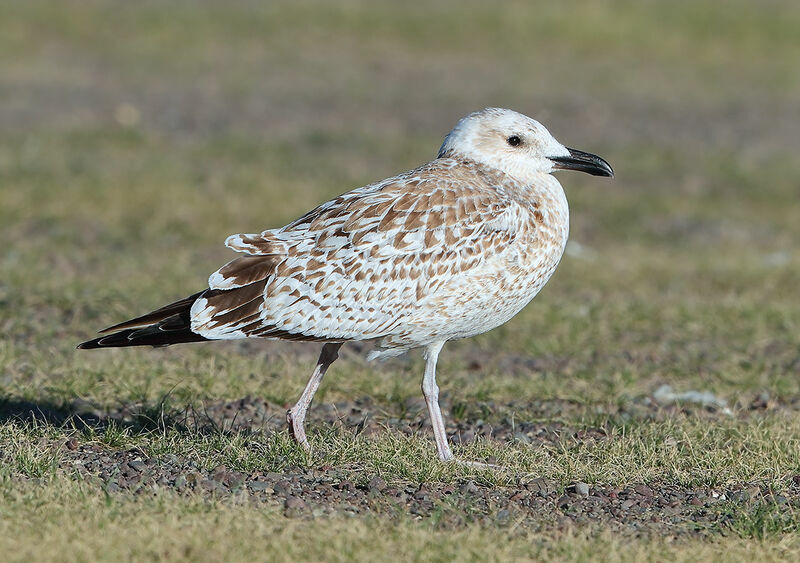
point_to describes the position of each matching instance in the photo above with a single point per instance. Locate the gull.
(449, 250)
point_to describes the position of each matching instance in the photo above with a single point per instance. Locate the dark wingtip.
(160, 334)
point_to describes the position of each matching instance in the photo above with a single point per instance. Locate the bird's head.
(517, 145)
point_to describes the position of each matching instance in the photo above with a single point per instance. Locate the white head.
(515, 144)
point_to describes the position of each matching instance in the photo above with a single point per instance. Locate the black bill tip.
(583, 162)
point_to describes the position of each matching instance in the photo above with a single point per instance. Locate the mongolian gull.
(448, 250)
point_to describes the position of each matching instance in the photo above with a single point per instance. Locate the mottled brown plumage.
(449, 250)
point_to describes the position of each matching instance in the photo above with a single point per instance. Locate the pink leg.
(296, 415)
(431, 392)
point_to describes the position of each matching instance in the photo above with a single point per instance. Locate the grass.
(136, 137)
(688, 452)
(84, 524)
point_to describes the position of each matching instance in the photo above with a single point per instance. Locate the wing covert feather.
(355, 265)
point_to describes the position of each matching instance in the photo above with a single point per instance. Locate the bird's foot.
(447, 457)
(297, 431)
(476, 464)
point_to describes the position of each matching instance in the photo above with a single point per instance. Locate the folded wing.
(356, 266)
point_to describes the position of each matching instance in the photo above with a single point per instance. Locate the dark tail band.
(168, 325)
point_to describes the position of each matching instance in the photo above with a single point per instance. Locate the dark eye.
(514, 140)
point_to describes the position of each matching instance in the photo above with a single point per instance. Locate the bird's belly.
(487, 297)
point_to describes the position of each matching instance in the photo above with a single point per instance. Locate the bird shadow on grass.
(139, 418)
(43, 412)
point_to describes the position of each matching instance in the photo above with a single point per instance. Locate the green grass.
(245, 115)
(84, 525)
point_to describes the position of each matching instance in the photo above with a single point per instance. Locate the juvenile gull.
(448, 250)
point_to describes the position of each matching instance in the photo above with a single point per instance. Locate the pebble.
(295, 503)
(282, 487)
(466, 437)
(209, 485)
(180, 482)
(582, 488)
(542, 486)
(294, 506)
(469, 487)
(522, 438)
(261, 486)
(780, 499)
(376, 485)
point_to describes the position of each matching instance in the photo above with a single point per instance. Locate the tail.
(168, 325)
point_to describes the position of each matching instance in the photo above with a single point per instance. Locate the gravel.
(666, 509)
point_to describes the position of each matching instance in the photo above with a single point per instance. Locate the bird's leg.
(431, 392)
(296, 415)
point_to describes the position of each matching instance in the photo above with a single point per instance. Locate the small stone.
(282, 487)
(376, 485)
(208, 485)
(261, 486)
(469, 488)
(138, 465)
(466, 437)
(627, 505)
(541, 486)
(294, 503)
(582, 489)
(643, 490)
(522, 438)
